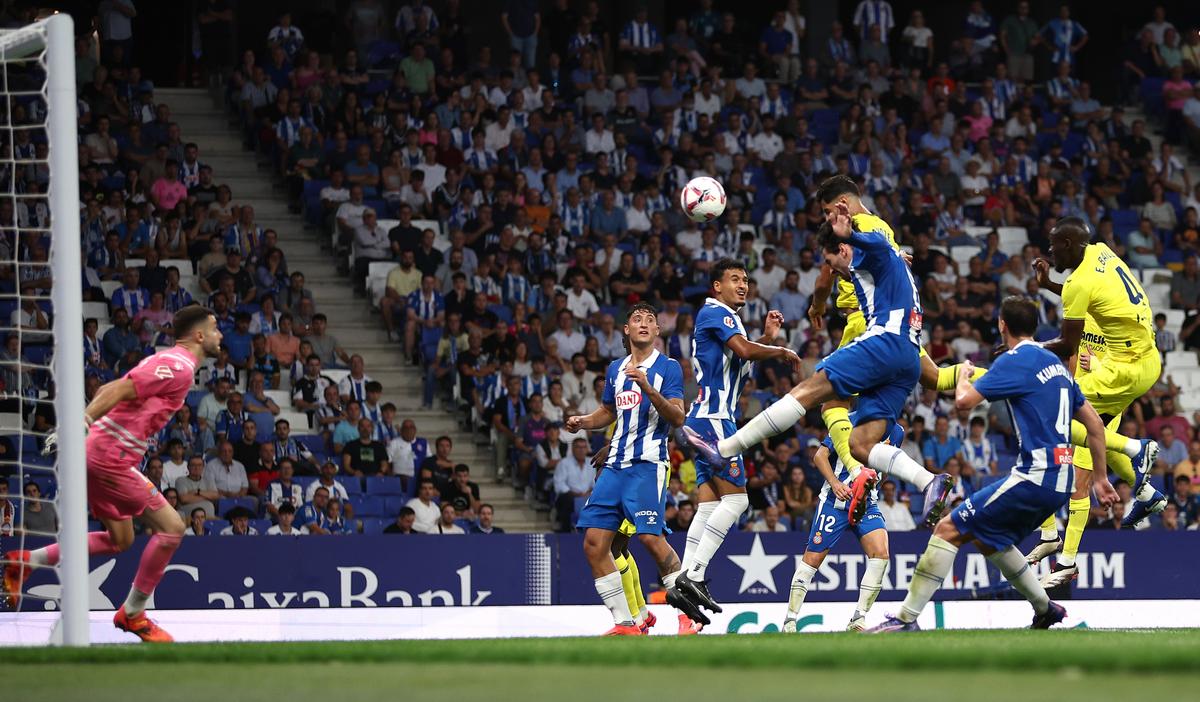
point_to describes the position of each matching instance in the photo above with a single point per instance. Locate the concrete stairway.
(351, 319)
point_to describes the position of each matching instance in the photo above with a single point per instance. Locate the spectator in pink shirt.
(167, 191)
(979, 122)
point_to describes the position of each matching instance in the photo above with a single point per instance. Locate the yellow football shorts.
(1113, 387)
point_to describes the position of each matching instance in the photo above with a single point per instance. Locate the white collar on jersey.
(718, 303)
(1027, 341)
(644, 365)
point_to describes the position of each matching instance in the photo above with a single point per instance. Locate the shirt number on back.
(1132, 289)
(1063, 425)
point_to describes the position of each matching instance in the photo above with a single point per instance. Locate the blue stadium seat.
(392, 504)
(352, 484)
(261, 525)
(384, 485)
(304, 481)
(367, 506)
(374, 525)
(215, 526)
(503, 312)
(916, 502)
(464, 523)
(227, 503)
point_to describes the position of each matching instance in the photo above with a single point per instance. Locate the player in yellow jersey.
(1109, 327)
(834, 192)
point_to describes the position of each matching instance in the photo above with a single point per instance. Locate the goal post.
(46, 50)
(67, 300)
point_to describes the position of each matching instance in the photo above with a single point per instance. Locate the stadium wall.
(267, 572)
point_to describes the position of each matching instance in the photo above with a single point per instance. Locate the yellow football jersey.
(1093, 339)
(863, 222)
(1103, 289)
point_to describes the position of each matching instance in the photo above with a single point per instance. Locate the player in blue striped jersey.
(426, 309)
(830, 522)
(1042, 399)
(643, 395)
(721, 358)
(881, 366)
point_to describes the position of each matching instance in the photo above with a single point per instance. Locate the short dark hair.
(374, 386)
(406, 511)
(1020, 314)
(977, 421)
(717, 272)
(187, 319)
(641, 307)
(827, 239)
(287, 508)
(834, 187)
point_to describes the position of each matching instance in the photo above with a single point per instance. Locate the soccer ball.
(702, 199)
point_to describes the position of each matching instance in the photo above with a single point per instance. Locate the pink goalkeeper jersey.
(162, 381)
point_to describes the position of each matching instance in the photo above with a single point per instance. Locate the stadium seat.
(96, 310)
(384, 485)
(367, 506)
(374, 525)
(392, 504)
(298, 421)
(352, 484)
(1012, 239)
(214, 526)
(1179, 360)
(227, 503)
(260, 525)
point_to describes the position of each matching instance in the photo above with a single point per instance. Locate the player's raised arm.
(820, 296)
(966, 397)
(598, 419)
(1087, 416)
(109, 396)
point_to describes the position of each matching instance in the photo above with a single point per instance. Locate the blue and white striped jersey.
(1042, 398)
(884, 286)
(720, 372)
(640, 435)
(426, 307)
(531, 386)
(894, 436)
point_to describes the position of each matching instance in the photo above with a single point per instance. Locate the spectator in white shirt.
(335, 489)
(580, 301)
(750, 85)
(499, 133)
(427, 512)
(706, 101)
(599, 138)
(896, 516)
(767, 144)
(445, 523)
(573, 477)
(570, 340)
(287, 515)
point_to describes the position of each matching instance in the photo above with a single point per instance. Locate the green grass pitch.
(1005, 665)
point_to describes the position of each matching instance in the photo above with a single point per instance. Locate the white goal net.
(41, 362)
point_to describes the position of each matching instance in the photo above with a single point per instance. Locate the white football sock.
(1146, 493)
(724, 516)
(670, 578)
(613, 595)
(931, 572)
(801, 580)
(695, 530)
(872, 583)
(1132, 448)
(1050, 534)
(893, 461)
(135, 601)
(1013, 566)
(776, 419)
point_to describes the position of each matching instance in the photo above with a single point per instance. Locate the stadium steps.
(351, 318)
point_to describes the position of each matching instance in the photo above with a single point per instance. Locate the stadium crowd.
(502, 209)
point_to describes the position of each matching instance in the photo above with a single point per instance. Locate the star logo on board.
(51, 592)
(757, 567)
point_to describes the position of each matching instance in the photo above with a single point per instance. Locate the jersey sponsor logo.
(915, 319)
(163, 373)
(728, 321)
(650, 515)
(628, 399)
(1064, 456)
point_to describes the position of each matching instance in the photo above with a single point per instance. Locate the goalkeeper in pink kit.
(121, 418)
